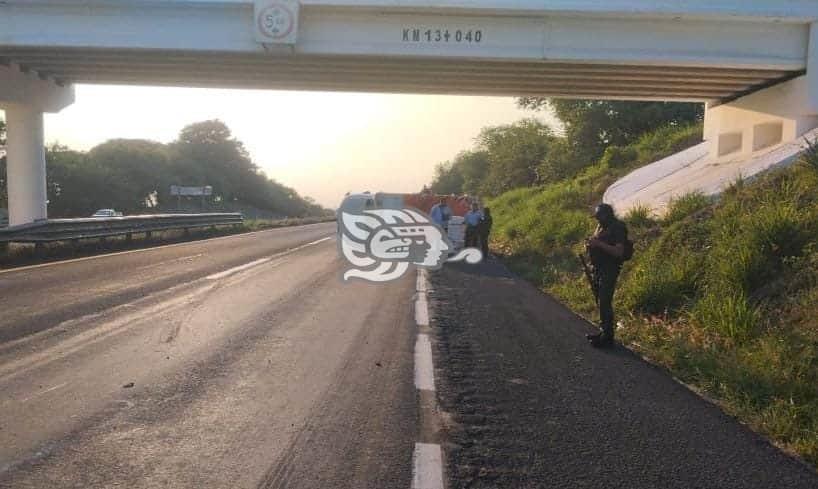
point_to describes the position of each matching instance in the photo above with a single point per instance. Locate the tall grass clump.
(640, 216)
(658, 284)
(810, 156)
(727, 313)
(685, 205)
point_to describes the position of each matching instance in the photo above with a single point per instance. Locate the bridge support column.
(25, 165)
(25, 96)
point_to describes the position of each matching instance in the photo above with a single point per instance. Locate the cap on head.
(603, 212)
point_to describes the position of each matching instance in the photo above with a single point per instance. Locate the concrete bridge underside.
(754, 62)
(405, 75)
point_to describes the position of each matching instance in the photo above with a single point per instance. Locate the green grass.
(640, 216)
(723, 292)
(685, 205)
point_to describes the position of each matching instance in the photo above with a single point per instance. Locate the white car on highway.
(107, 213)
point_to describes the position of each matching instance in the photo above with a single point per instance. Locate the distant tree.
(135, 176)
(135, 173)
(75, 187)
(514, 153)
(448, 179)
(206, 153)
(593, 125)
(463, 175)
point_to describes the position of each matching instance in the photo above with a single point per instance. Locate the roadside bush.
(686, 205)
(618, 157)
(666, 141)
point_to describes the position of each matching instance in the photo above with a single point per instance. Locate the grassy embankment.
(723, 293)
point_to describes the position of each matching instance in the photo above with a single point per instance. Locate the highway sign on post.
(191, 191)
(276, 21)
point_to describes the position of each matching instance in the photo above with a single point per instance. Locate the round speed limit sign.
(277, 21)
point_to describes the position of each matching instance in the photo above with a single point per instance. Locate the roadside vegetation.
(134, 176)
(722, 292)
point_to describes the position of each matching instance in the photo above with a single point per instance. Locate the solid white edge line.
(144, 250)
(421, 310)
(427, 467)
(424, 368)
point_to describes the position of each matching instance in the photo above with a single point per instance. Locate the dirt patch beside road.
(532, 405)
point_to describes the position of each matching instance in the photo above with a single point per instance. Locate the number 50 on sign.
(276, 21)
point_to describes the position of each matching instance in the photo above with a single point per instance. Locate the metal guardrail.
(89, 228)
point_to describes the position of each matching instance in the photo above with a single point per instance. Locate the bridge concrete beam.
(18, 86)
(25, 96)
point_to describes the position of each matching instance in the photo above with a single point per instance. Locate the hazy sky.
(321, 144)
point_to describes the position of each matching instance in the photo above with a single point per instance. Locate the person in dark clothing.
(606, 249)
(484, 230)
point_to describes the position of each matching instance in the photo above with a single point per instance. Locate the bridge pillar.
(25, 97)
(25, 164)
(778, 114)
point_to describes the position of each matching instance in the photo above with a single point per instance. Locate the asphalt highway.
(246, 362)
(238, 362)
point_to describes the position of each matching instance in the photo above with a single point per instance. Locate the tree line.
(135, 176)
(530, 153)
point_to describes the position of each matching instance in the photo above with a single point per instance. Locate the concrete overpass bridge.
(754, 62)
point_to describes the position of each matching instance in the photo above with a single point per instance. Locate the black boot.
(602, 341)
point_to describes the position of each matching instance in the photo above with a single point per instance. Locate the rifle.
(589, 275)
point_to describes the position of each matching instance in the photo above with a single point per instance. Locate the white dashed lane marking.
(427, 461)
(424, 369)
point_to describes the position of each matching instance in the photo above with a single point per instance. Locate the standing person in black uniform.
(485, 230)
(607, 250)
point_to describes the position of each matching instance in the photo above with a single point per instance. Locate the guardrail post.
(148, 235)
(129, 238)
